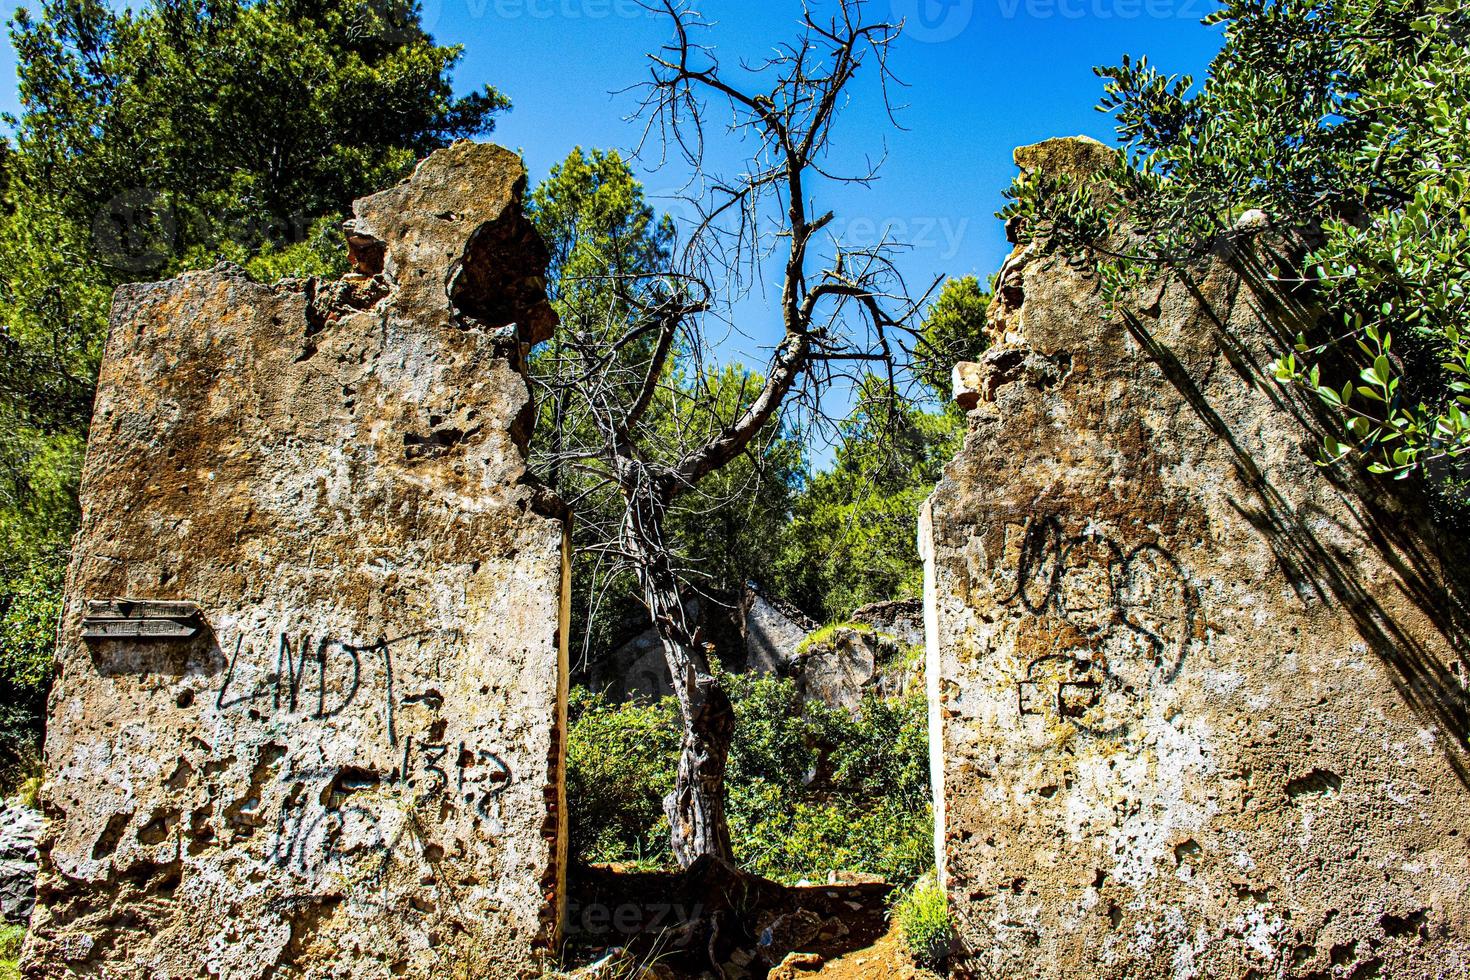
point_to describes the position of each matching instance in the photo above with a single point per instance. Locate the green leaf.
(1382, 369)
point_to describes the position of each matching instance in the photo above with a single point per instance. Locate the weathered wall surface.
(1199, 705)
(353, 769)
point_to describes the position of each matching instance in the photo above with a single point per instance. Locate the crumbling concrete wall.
(1198, 705)
(352, 767)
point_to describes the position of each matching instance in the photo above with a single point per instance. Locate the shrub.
(621, 760)
(788, 838)
(11, 938)
(922, 914)
(811, 789)
(29, 605)
(815, 789)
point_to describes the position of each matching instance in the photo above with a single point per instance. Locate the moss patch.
(824, 635)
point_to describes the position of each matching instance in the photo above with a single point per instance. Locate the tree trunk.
(696, 807)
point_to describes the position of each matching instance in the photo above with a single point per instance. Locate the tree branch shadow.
(1428, 561)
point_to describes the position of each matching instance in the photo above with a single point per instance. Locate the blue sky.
(983, 77)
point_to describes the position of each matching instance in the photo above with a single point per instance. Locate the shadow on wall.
(1429, 560)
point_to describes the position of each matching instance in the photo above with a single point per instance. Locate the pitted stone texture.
(355, 771)
(1197, 705)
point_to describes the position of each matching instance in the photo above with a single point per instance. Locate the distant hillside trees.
(853, 536)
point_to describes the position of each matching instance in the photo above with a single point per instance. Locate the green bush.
(29, 605)
(621, 760)
(815, 789)
(790, 838)
(811, 789)
(922, 914)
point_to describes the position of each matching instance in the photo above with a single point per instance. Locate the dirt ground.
(886, 957)
(713, 920)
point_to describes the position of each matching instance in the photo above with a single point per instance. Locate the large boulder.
(1197, 704)
(840, 665)
(902, 619)
(309, 711)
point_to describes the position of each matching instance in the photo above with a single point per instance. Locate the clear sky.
(983, 77)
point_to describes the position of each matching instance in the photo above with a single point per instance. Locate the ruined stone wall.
(1198, 705)
(347, 762)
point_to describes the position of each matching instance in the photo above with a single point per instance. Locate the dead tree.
(645, 345)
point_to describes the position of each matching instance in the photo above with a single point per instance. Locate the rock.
(1077, 161)
(965, 379)
(782, 934)
(347, 761)
(797, 963)
(1251, 222)
(17, 891)
(902, 619)
(20, 828)
(1077, 158)
(773, 631)
(1199, 704)
(636, 670)
(838, 665)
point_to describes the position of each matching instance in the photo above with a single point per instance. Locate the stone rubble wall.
(773, 631)
(354, 768)
(20, 827)
(1198, 706)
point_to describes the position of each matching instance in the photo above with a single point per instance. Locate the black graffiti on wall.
(477, 775)
(1119, 620)
(330, 817)
(319, 677)
(334, 814)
